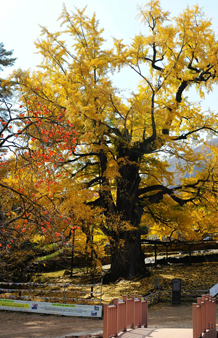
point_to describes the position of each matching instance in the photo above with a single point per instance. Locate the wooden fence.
(124, 313)
(204, 317)
(134, 312)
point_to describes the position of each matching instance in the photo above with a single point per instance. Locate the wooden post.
(194, 318)
(203, 314)
(166, 252)
(105, 323)
(207, 310)
(64, 295)
(140, 298)
(214, 313)
(155, 255)
(116, 302)
(190, 255)
(125, 300)
(133, 304)
(93, 280)
(200, 327)
(101, 290)
(72, 256)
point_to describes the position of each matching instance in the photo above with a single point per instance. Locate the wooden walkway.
(158, 333)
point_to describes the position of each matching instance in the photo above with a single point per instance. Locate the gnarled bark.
(127, 257)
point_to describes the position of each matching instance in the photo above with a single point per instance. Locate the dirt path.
(28, 325)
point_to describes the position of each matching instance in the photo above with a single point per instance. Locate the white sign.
(214, 290)
(51, 308)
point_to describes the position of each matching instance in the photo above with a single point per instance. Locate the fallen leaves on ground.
(199, 276)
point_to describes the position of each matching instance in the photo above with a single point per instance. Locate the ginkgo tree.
(111, 153)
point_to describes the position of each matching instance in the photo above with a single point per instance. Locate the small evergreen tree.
(5, 61)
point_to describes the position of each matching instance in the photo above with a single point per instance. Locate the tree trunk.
(127, 258)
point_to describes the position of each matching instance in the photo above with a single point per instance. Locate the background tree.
(5, 93)
(114, 150)
(5, 61)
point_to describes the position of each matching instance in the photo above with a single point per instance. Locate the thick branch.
(184, 136)
(156, 198)
(180, 90)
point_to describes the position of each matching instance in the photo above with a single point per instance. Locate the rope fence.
(48, 284)
(167, 295)
(60, 288)
(64, 288)
(83, 300)
(32, 290)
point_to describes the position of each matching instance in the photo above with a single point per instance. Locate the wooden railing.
(124, 313)
(133, 313)
(204, 317)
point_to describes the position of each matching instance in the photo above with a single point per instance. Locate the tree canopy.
(98, 158)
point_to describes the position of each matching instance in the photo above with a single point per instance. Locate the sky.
(20, 19)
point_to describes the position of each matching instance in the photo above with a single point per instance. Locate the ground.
(25, 325)
(195, 277)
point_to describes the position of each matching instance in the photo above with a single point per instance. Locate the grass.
(48, 257)
(52, 275)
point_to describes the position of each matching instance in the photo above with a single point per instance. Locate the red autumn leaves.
(53, 143)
